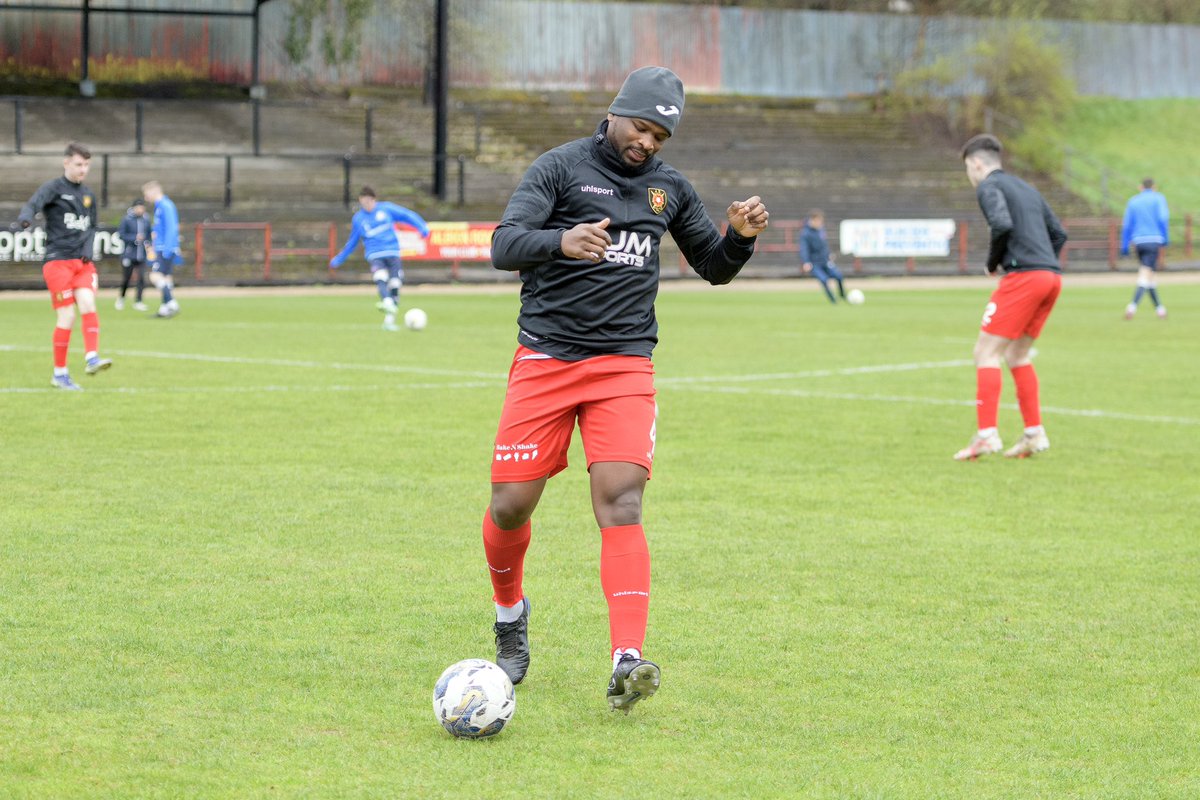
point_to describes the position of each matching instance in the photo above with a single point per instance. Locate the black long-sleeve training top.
(70, 213)
(1025, 233)
(572, 309)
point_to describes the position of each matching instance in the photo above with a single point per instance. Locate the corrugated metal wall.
(544, 44)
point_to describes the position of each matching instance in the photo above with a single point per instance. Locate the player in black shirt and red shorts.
(584, 229)
(1026, 241)
(69, 209)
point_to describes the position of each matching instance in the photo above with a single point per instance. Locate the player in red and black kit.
(584, 229)
(1026, 241)
(69, 210)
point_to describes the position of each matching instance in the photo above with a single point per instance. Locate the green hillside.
(1133, 140)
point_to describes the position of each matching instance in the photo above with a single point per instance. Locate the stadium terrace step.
(850, 164)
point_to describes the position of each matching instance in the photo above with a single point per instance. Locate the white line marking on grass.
(286, 362)
(818, 373)
(936, 401)
(270, 388)
(283, 362)
(1095, 412)
(305, 324)
(698, 383)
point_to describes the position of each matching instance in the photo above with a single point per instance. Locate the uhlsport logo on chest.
(658, 200)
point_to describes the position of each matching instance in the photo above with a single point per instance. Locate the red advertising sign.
(448, 241)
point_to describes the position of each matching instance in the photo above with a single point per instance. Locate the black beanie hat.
(651, 93)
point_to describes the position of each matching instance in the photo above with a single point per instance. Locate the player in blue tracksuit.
(135, 233)
(1145, 227)
(164, 250)
(375, 225)
(814, 254)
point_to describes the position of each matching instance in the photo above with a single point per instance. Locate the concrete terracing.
(857, 164)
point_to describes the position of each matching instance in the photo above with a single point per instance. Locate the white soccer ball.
(855, 297)
(473, 699)
(415, 319)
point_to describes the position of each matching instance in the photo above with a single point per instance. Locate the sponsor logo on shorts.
(517, 452)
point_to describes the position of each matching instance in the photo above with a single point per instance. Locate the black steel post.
(254, 45)
(104, 180)
(229, 181)
(462, 180)
(346, 180)
(441, 86)
(369, 125)
(84, 35)
(138, 115)
(18, 124)
(256, 131)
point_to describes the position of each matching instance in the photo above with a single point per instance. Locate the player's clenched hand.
(748, 217)
(587, 241)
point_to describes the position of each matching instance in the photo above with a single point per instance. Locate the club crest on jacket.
(658, 200)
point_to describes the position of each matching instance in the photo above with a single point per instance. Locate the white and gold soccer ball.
(855, 297)
(415, 319)
(474, 699)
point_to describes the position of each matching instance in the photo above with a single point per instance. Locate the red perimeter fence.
(1092, 239)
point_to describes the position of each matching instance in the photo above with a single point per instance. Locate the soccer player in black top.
(584, 229)
(1026, 241)
(69, 209)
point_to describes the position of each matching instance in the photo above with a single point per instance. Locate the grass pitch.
(234, 566)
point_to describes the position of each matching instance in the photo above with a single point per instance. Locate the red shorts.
(65, 276)
(1021, 303)
(612, 396)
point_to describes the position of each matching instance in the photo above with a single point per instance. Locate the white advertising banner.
(30, 244)
(904, 238)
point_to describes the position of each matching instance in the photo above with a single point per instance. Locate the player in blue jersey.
(164, 250)
(374, 224)
(1145, 228)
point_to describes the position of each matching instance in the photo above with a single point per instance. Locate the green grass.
(1134, 139)
(239, 578)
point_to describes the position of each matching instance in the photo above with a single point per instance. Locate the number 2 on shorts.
(988, 313)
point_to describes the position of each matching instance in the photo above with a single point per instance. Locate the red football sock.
(505, 551)
(91, 333)
(1027, 394)
(62, 338)
(625, 577)
(987, 396)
